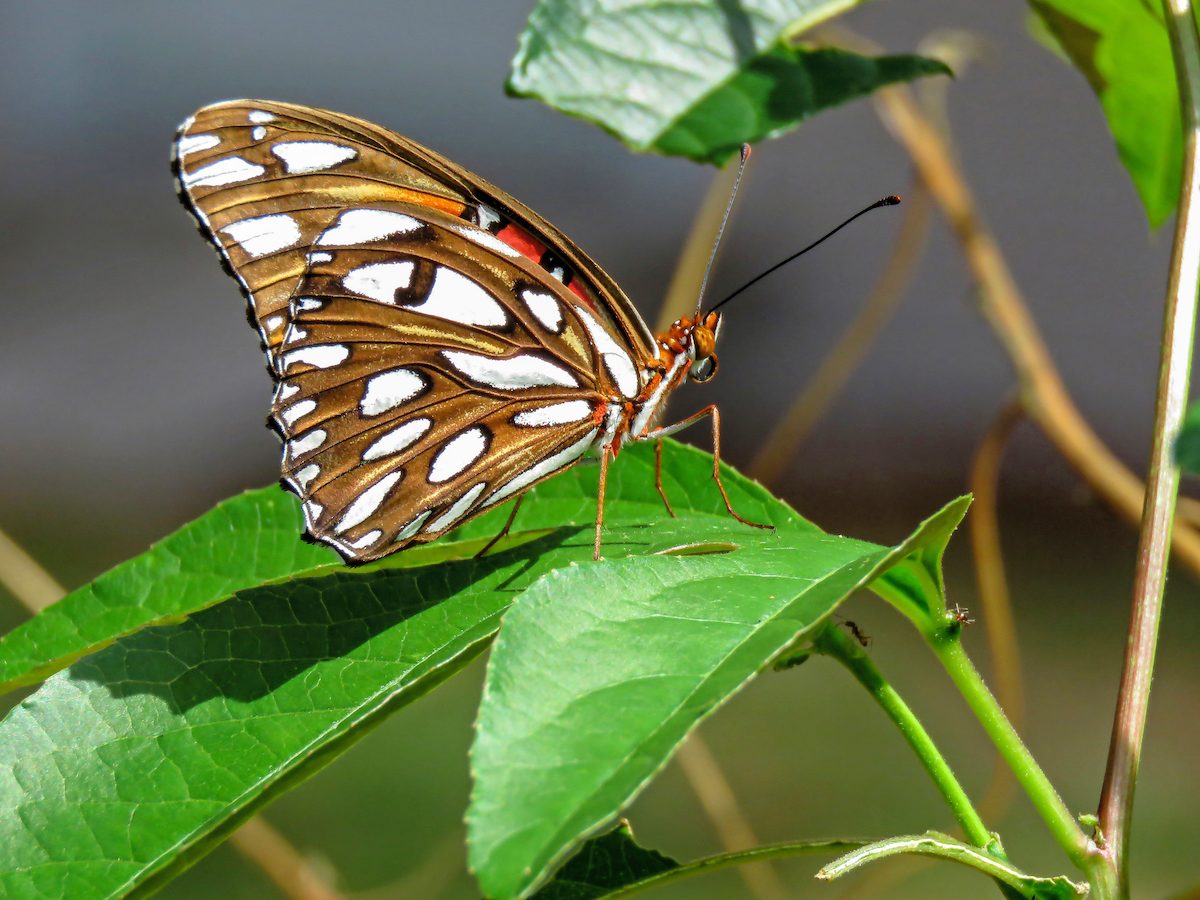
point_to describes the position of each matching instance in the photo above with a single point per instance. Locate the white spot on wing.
(554, 414)
(264, 234)
(487, 216)
(513, 373)
(458, 510)
(273, 322)
(379, 281)
(544, 308)
(312, 512)
(258, 132)
(194, 143)
(367, 539)
(322, 356)
(366, 503)
(486, 239)
(457, 454)
(397, 439)
(260, 117)
(616, 360)
(388, 390)
(305, 476)
(308, 303)
(288, 389)
(320, 257)
(361, 226)
(229, 170)
(412, 527)
(310, 441)
(457, 298)
(550, 464)
(297, 411)
(300, 157)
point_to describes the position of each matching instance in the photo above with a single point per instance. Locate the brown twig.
(31, 585)
(1179, 326)
(716, 796)
(841, 361)
(260, 843)
(993, 593)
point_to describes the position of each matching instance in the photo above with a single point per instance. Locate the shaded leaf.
(1121, 47)
(943, 846)
(601, 671)
(610, 861)
(693, 77)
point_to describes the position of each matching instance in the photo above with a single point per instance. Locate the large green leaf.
(127, 766)
(693, 77)
(252, 540)
(1122, 49)
(602, 670)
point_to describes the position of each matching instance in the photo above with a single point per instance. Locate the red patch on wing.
(523, 242)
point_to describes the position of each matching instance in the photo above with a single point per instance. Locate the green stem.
(1162, 480)
(737, 858)
(834, 642)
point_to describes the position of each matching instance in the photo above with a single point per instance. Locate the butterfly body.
(438, 348)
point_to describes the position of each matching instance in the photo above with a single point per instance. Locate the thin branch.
(995, 606)
(32, 586)
(1179, 325)
(716, 796)
(841, 361)
(260, 843)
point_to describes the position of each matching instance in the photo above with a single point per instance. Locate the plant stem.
(1179, 324)
(833, 642)
(725, 860)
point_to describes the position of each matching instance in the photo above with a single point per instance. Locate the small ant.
(859, 635)
(961, 616)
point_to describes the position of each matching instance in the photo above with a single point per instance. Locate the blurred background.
(134, 397)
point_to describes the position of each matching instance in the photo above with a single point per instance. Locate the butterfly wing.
(438, 347)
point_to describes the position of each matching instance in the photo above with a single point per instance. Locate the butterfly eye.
(703, 369)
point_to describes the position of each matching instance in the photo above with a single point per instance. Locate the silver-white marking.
(288, 389)
(616, 360)
(397, 439)
(367, 540)
(457, 454)
(310, 441)
(308, 303)
(264, 234)
(319, 257)
(554, 414)
(194, 143)
(388, 390)
(322, 356)
(361, 226)
(260, 117)
(295, 333)
(258, 132)
(366, 503)
(487, 239)
(559, 460)
(457, 298)
(305, 476)
(273, 322)
(650, 408)
(300, 157)
(487, 216)
(297, 411)
(457, 511)
(544, 308)
(511, 374)
(380, 281)
(412, 527)
(312, 512)
(229, 170)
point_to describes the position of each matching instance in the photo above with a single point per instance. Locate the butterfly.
(437, 347)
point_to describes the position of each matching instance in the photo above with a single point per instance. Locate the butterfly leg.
(710, 410)
(503, 531)
(604, 452)
(658, 477)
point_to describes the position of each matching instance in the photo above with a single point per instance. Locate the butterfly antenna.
(890, 200)
(712, 257)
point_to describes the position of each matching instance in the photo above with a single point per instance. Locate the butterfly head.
(698, 339)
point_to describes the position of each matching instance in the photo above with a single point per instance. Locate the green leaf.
(602, 670)
(693, 78)
(1121, 47)
(612, 860)
(1187, 445)
(123, 769)
(942, 846)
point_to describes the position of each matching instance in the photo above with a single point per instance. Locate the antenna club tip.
(890, 200)
(745, 152)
